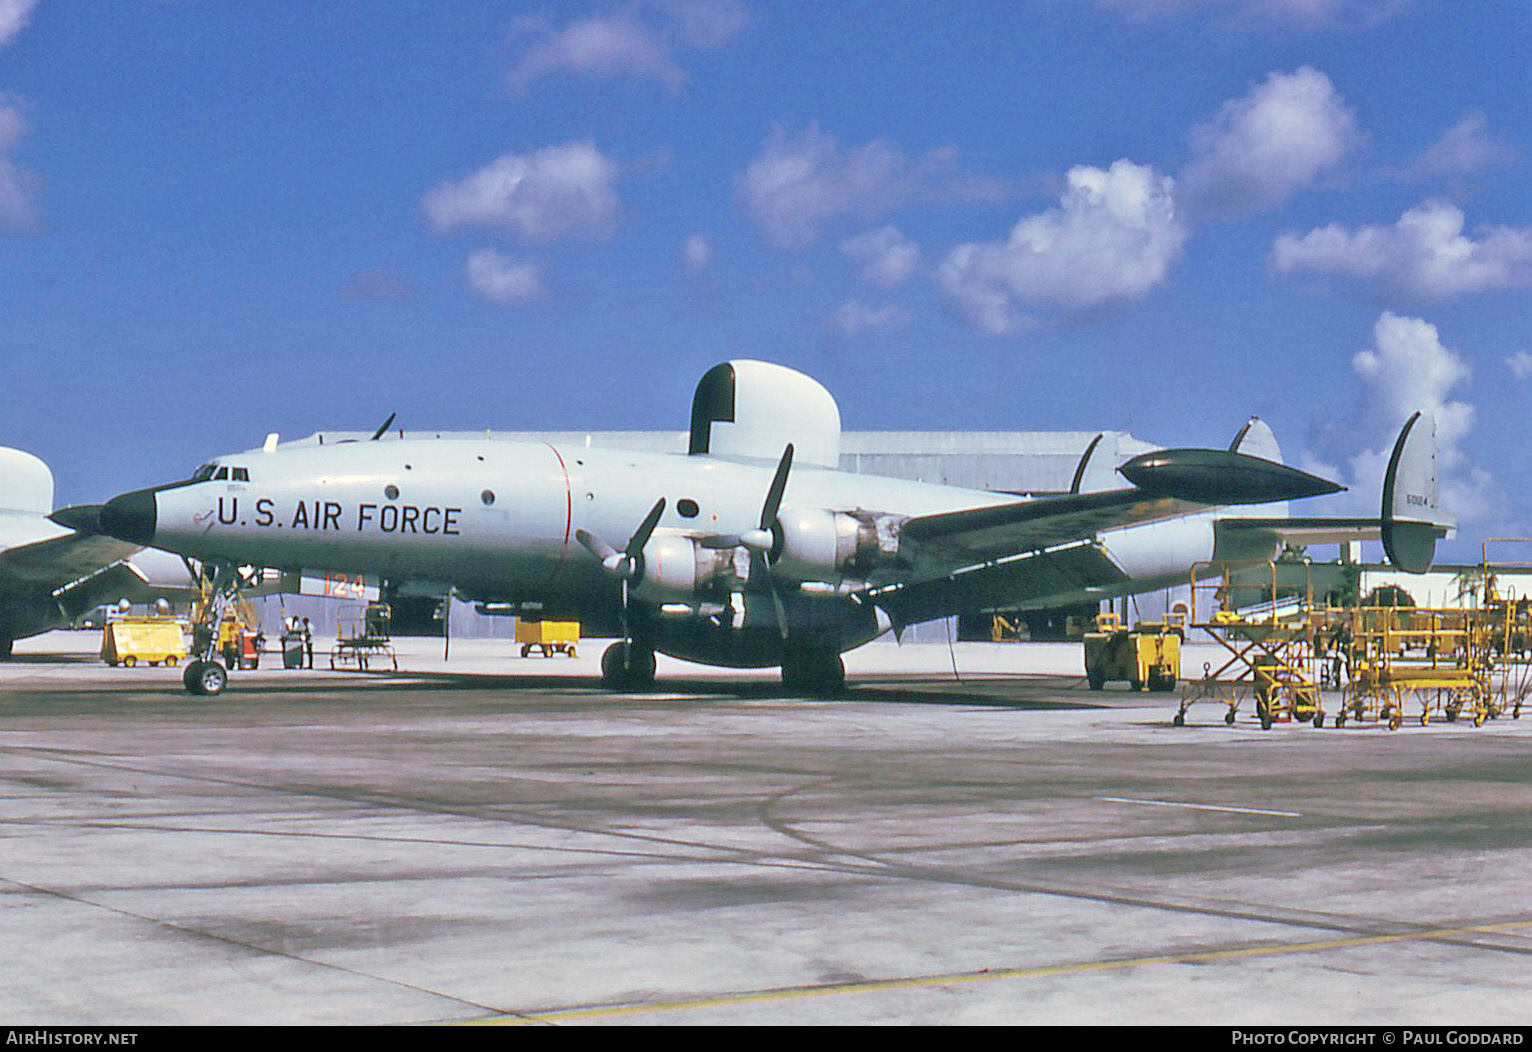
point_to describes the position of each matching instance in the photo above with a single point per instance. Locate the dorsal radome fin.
(752, 410)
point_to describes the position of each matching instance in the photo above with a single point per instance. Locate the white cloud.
(799, 183)
(12, 125)
(855, 317)
(637, 41)
(707, 23)
(1520, 365)
(500, 279)
(1424, 256)
(697, 253)
(887, 257)
(1465, 148)
(556, 192)
(18, 187)
(1113, 238)
(1409, 368)
(1264, 147)
(14, 16)
(1307, 13)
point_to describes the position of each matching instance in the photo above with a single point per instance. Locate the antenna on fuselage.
(379, 432)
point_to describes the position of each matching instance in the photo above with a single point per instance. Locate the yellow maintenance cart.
(129, 640)
(1271, 653)
(1147, 657)
(548, 637)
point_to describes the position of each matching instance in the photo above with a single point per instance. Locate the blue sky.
(219, 220)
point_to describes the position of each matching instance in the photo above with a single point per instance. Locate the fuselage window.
(391, 491)
(488, 497)
(687, 508)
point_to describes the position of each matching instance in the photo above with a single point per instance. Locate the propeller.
(628, 564)
(761, 540)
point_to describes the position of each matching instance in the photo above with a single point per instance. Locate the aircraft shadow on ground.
(999, 692)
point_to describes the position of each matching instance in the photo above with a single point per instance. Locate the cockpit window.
(221, 474)
(203, 473)
(241, 474)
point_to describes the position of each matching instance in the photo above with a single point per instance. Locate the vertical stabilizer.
(1256, 439)
(1411, 521)
(1095, 473)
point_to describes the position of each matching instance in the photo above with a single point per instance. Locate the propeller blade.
(778, 487)
(597, 548)
(761, 541)
(641, 535)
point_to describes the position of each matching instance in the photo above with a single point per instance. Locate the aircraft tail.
(1411, 522)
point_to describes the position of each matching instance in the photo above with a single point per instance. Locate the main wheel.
(817, 671)
(627, 667)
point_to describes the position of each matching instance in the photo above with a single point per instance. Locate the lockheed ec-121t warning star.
(753, 550)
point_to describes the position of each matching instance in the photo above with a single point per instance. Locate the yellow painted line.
(584, 1015)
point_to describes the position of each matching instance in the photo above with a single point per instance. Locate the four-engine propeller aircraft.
(753, 550)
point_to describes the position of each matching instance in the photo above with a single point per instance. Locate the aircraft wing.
(1028, 526)
(1013, 582)
(1010, 554)
(58, 564)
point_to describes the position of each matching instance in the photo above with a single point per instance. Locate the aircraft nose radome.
(130, 517)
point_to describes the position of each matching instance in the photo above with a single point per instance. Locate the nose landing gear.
(205, 674)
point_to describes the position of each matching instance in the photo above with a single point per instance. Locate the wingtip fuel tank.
(1212, 476)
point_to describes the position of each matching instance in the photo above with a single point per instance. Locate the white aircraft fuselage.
(497, 520)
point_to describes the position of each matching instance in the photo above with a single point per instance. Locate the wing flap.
(1030, 579)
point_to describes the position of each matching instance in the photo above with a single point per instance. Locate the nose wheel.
(205, 677)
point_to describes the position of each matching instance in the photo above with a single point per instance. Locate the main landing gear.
(816, 671)
(628, 666)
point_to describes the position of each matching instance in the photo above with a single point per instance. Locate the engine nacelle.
(815, 544)
(678, 569)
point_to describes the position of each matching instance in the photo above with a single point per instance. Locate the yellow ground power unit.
(152, 640)
(1146, 657)
(547, 637)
